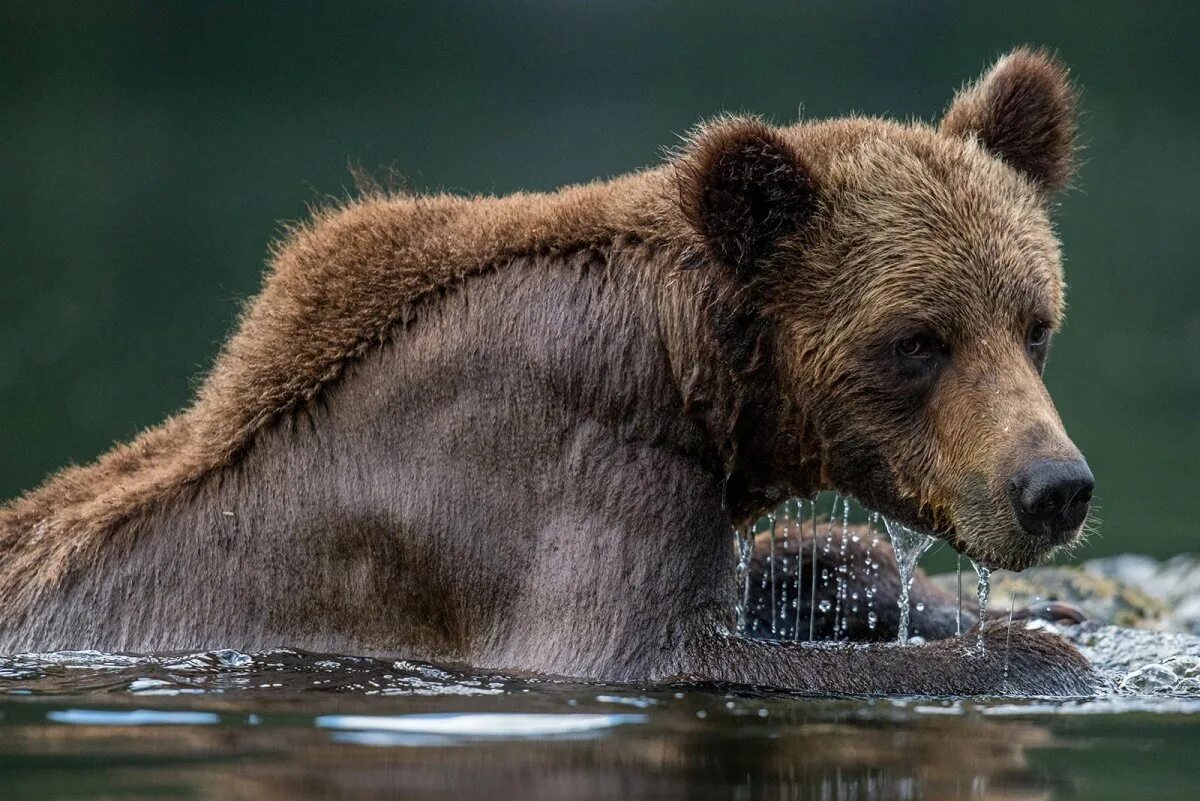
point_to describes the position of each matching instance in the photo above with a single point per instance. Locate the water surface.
(282, 724)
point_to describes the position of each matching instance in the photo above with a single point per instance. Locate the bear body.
(514, 433)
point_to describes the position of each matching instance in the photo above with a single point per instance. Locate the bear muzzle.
(1051, 497)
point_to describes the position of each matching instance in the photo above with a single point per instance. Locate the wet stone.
(1185, 666)
(1150, 679)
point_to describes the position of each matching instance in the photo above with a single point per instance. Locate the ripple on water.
(1136, 663)
(223, 671)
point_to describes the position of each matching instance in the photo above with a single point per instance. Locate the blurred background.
(150, 151)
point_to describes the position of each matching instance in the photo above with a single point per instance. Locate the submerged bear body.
(514, 433)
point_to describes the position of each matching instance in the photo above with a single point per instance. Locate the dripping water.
(852, 602)
(825, 605)
(745, 547)
(812, 607)
(773, 520)
(799, 566)
(779, 613)
(908, 545)
(1012, 604)
(871, 569)
(958, 620)
(985, 587)
(841, 610)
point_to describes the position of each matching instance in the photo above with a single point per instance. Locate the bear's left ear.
(742, 188)
(1023, 111)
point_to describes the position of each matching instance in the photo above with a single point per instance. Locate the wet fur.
(514, 432)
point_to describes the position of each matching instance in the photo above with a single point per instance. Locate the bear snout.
(1051, 497)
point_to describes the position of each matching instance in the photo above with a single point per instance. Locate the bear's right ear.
(1023, 111)
(741, 188)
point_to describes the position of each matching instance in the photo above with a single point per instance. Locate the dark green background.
(148, 153)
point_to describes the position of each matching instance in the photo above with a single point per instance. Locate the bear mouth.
(1007, 548)
(998, 544)
(1012, 549)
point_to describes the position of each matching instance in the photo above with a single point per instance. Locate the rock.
(1185, 666)
(1129, 568)
(1188, 687)
(1124, 650)
(1138, 661)
(1149, 679)
(1186, 617)
(1106, 600)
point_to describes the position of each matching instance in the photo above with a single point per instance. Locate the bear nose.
(1051, 496)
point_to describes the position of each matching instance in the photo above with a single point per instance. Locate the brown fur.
(442, 424)
(1023, 110)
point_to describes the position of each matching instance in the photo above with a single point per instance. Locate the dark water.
(282, 724)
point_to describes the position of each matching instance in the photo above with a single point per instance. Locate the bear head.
(911, 283)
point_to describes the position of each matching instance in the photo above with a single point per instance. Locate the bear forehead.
(937, 227)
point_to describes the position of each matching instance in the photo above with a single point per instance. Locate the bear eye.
(1039, 335)
(916, 346)
(1037, 341)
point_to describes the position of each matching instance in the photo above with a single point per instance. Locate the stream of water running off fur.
(854, 586)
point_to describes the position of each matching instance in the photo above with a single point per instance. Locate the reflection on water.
(226, 725)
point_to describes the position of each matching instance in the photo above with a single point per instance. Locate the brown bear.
(514, 432)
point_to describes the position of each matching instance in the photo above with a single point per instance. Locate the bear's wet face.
(913, 283)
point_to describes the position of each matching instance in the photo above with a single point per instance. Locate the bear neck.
(723, 353)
